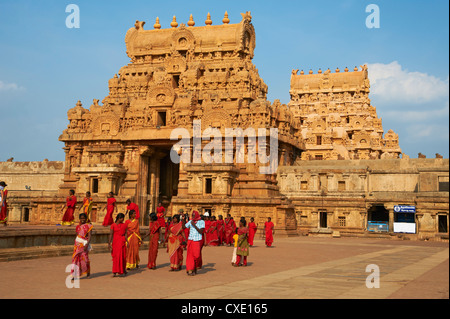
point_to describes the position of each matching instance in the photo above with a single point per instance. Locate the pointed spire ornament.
(225, 18)
(208, 20)
(191, 22)
(174, 22)
(157, 25)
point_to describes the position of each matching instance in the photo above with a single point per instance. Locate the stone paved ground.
(300, 268)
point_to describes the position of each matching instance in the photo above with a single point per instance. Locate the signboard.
(405, 228)
(404, 209)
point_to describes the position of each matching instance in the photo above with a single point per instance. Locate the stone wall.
(347, 190)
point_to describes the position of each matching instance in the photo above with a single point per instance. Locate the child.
(235, 239)
(118, 248)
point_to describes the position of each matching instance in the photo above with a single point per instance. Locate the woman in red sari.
(71, 202)
(154, 231)
(134, 240)
(3, 206)
(213, 237)
(110, 208)
(160, 214)
(117, 245)
(207, 235)
(268, 230)
(230, 228)
(175, 239)
(252, 228)
(80, 257)
(221, 230)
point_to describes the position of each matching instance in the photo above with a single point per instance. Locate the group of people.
(180, 234)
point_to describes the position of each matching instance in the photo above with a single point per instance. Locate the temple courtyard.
(294, 268)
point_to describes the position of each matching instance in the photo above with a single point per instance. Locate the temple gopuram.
(334, 169)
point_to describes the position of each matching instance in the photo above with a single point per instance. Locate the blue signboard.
(404, 209)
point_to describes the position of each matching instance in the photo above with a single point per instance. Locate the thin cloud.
(4, 86)
(390, 82)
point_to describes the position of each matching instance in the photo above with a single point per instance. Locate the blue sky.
(46, 67)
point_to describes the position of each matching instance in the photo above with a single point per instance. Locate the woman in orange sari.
(134, 240)
(80, 257)
(110, 208)
(87, 205)
(117, 245)
(175, 240)
(154, 230)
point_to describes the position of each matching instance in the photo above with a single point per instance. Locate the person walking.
(194, 247)
(269, 231)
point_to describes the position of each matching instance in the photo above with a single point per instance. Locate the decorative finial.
(337, 70)
(174, 22)
(79, 103)
(301, 72)
(320, 71)
(310, 71)
(191, 22)
(355, 69)
(208, 20)
(346, 69)
(225, 18)
(157, 25)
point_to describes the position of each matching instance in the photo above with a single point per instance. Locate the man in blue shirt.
(195, 241)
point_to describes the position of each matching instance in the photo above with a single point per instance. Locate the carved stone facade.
(336, 117)
(202, 78)
(178, 76)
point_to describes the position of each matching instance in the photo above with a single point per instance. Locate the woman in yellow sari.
(87, 206)
(134, 240)
(175, 241)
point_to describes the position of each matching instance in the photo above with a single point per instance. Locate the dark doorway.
(169, 176)
(323, 220)
(443, 226)
(378, 214)
(378, 219)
